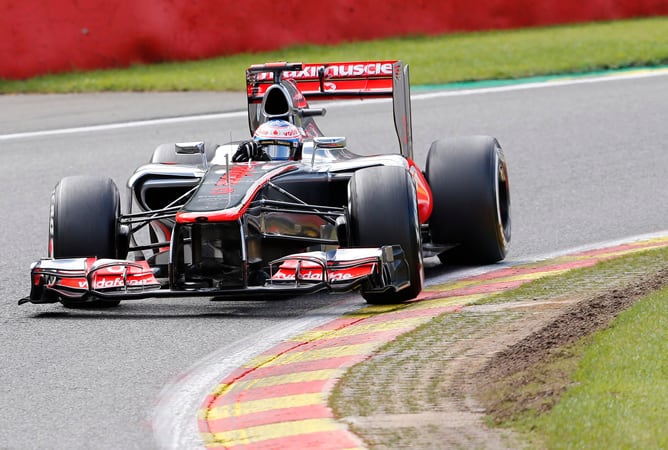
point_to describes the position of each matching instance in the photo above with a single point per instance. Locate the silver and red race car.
(200, 224)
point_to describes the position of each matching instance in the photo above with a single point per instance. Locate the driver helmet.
(281, 140)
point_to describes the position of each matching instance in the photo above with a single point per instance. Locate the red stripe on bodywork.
(424, 195)
(234, 213)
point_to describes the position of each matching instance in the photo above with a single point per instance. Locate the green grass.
(433, 60)
(620, 399)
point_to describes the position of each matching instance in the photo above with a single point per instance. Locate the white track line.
(122, 125)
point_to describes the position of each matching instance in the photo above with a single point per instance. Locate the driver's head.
(281, 140)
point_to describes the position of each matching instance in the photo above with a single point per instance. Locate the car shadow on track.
(205, 308)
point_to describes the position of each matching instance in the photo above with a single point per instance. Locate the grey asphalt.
(587, 164)
(24, 113)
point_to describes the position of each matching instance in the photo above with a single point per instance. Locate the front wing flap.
(375, 269)
(80, 279)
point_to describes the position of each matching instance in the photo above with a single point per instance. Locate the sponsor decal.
(287, 272)
(276, 129)
(290, 275)
(225, 183)
(106, 282)
(118, 282)
(359, 70)
(119, 276)
(336, 70)
(116, 276)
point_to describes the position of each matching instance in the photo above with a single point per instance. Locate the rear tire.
(468, 177)
(383, 211)
(84, 223)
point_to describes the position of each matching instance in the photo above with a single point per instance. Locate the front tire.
(468, 177)
(383, 211)
(84, 223)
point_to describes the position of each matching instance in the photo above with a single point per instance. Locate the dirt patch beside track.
(437, 386)
(528, 360)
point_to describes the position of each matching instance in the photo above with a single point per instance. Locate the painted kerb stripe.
(240, 413)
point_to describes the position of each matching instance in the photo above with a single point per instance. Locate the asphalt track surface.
(587, 164)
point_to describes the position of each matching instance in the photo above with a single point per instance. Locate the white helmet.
(281, 140)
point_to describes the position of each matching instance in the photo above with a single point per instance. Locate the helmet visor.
(277, 149)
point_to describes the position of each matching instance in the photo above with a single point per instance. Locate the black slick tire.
(84, 223)
(383, 211)
(468, 177)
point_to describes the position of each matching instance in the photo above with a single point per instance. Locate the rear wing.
(334, 81)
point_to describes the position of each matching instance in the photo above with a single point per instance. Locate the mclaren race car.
(201, 221)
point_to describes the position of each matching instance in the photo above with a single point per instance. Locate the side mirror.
(310, 112)
(330, 143)
(192, 148)
(189, 148)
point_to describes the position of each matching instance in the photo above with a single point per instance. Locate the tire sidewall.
(383, 211)
(468, 177)
(84, 218)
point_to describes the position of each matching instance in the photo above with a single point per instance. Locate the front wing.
(383, 269)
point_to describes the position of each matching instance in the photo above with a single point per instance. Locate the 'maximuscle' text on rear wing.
(326, 81)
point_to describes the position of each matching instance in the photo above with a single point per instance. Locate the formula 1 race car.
(202, 222)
